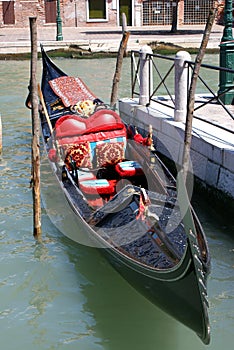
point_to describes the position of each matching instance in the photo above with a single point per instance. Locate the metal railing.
(161, 75)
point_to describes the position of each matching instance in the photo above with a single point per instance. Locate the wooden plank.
(192, 90)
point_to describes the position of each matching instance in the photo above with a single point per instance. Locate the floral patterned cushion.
(79, 153)
(109, 153)
(71, 90)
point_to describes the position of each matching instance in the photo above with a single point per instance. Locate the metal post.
(59, 36)
(227, 56)
(174, 11)
(181, 85)
(227, 32)
(145, 75)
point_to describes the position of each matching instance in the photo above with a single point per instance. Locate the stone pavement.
(106, 39)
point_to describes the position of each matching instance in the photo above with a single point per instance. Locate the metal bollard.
(181, 85)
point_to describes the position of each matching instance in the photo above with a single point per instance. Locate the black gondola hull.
(179, 290)
(174, 291)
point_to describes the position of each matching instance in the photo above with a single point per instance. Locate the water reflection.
(123, 317)
(64, 296)
(57, 298)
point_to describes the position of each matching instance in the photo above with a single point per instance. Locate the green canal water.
(60, 295)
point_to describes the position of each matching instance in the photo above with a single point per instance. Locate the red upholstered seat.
(69, 125)
(129, 168)
(102, 120)
(98, 186)
(82, 140)
(85, 175)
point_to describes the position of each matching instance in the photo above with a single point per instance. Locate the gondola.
(124, 199)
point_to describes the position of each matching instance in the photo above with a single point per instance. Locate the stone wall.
(28, 8)
(73, 13)
(24, 9)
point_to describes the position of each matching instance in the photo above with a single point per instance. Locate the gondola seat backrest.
(97, 141)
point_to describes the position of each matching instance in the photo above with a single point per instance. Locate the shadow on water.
(124, 319)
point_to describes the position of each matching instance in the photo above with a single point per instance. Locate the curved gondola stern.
(48, 63)
(199, 251)
(50, 71)
(201, 274)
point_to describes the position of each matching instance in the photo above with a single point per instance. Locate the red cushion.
(97, 186)
(109, 153)
(98, 136)
(100, 121)
(69, 126)
(129, 168)
(85, 175)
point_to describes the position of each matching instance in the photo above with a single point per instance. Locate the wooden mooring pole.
(117, 75)
(192, 89)
(0, 135)
(35, 181)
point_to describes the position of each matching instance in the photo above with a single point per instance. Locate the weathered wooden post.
(181, 85)
(145, 75)
(192, 89)
(0, 135)
(118, 68)
(35, 181)
(124, 30)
